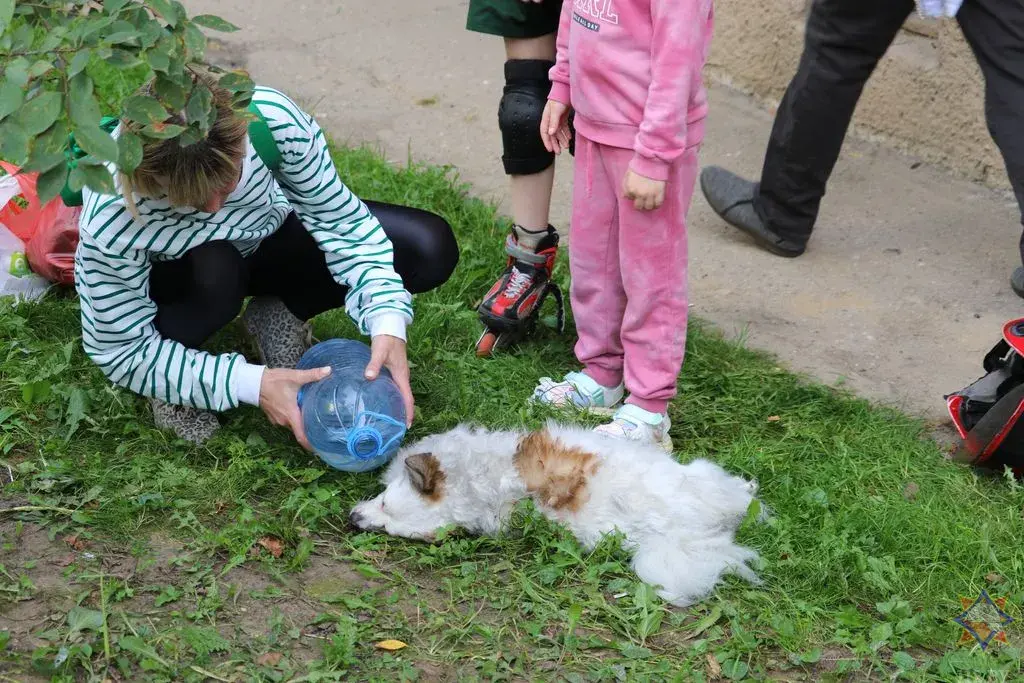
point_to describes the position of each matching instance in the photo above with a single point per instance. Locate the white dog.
(677, 520)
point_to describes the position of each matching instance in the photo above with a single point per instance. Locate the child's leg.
(597, 294)
(653, 261)
(530, 167)
(512, 300)
(528, 29)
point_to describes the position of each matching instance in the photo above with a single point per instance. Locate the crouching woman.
(196, 230)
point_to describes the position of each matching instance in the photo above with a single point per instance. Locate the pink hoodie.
(632, 71)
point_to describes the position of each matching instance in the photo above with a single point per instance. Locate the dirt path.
(902, 291)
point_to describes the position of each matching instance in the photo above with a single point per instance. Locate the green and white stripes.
(115, 252)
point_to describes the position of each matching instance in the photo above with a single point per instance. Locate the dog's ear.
(425, 473)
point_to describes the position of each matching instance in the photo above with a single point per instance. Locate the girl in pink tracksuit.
(631, 70)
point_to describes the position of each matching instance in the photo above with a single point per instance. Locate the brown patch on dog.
(555, 474)
(426, 475)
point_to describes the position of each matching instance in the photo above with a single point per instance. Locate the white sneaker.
(580, 391)
(636, 424)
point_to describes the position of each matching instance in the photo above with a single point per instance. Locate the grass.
(136, 557)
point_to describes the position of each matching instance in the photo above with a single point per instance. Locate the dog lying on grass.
(678, 521)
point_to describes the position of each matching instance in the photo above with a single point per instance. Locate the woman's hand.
(647, 194)
(387, 351)
(279, 398)
(554, 127)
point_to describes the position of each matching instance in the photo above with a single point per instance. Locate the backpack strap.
(73, 153)
(263, 140)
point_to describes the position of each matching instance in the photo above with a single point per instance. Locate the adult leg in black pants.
(844, 41)
(199, 293)
(289, 264)
(203, 291)
(995, 31)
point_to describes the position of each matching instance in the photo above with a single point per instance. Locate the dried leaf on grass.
(269, 659)
(275, 546)
(76, 542)
(714, 668)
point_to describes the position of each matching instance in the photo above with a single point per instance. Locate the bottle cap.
(364, 443)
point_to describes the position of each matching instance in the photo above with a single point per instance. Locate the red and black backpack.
(987, 414)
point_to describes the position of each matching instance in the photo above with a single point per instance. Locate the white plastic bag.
(938, 8)
(15, 277)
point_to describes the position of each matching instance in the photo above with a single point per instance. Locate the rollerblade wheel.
(487, 344)
(491, 342)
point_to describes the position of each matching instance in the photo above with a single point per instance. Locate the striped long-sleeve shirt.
(115, 253)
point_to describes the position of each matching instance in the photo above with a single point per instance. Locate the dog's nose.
(355, 518)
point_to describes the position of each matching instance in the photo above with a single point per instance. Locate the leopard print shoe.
(187, 423)
(280, 337)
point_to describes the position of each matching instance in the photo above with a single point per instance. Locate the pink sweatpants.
(629, 274)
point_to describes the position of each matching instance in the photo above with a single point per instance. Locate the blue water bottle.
(354, 424)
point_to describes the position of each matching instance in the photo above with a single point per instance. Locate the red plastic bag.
(50, 231)
(21, 221)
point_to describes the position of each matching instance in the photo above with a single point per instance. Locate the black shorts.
(514, 18)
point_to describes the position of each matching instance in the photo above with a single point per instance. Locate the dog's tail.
(685, 570)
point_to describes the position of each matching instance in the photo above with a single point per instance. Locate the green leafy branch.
(47, 94)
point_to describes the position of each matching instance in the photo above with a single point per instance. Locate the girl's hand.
(647, 194)
(554, 127)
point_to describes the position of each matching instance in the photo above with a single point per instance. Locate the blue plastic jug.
(354, 424)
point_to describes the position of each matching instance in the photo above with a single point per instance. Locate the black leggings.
(204, 290)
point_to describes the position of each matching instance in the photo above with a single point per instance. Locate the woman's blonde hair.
(191, 174)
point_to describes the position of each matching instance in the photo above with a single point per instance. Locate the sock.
(529, 239)
(649, 417)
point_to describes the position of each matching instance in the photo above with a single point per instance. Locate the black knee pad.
(522, 106)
